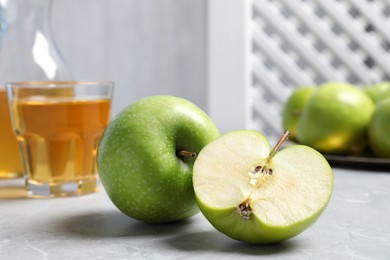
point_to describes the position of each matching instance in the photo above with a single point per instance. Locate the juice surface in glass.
(59, 138)
(10, 162)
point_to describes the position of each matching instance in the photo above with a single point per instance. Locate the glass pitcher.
(27, 53)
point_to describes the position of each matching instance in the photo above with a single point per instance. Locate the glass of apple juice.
(10, 162)
(58, 126)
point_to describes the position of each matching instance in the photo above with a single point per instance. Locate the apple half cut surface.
(257, 195)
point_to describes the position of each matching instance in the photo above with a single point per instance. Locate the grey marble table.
(356, 225)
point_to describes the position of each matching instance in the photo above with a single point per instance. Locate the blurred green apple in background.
(336, 119)
(146, 155)
(378, 91)
(293, 109)
(379, 130)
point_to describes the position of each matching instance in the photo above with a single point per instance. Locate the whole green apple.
(257, 195)
(379, 129)
(336, 119)
(146, 154)
(293, 109)
(378, 91)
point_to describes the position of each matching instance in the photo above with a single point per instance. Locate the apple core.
(257, 173)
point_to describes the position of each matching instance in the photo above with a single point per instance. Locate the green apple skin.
(293, 109)
(137, 158)
(254, 230)
(379, 129)
(300, 205)
(336, 119)
(378, 91)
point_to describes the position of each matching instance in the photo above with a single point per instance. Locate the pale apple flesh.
(251, 196)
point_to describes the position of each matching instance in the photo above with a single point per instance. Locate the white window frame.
(228, 67)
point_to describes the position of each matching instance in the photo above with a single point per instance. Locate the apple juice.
(10, 163)
(58, 139)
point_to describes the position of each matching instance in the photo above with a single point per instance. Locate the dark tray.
(367, 161)
(371, 163)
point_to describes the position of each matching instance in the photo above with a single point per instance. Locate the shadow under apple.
(214, 241)
(115, 224)
(180, 235)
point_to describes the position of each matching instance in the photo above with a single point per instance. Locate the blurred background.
(238, 60)
(147, 47)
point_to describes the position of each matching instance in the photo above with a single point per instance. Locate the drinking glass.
(58, 126)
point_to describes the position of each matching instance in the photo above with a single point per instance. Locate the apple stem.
(278, 144)
(183, 153)
(260, 170)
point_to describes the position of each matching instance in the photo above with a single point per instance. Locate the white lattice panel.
(261, 50)
(307, 42)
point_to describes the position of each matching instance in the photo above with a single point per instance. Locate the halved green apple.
(254, 194)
